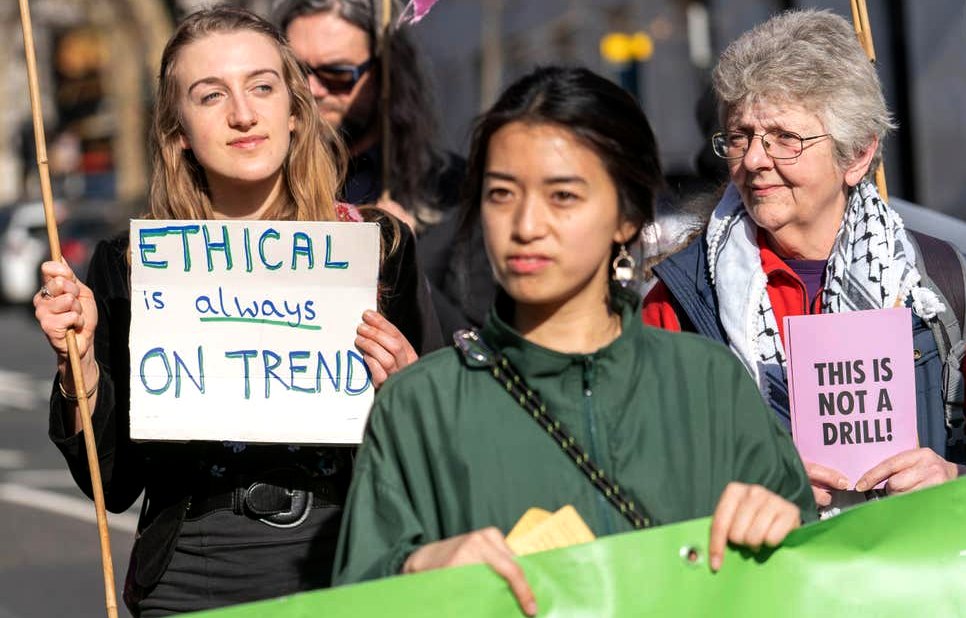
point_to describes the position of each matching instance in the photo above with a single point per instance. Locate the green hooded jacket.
(671, 417)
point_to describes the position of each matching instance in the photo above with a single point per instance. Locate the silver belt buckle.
(300, 503)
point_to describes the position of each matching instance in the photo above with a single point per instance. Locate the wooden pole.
(860, 20)
(384, 102)
(491, 43)
(79, 387)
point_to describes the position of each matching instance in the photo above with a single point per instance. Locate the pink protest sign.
(416, 10)
(852, 387)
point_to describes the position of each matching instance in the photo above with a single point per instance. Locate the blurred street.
(99, 63)
(50, 558)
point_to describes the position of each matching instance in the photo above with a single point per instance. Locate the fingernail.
(368, 313)
(364, 328)
(531, 608)
(842, 483)
(715, 563)
(860, 486)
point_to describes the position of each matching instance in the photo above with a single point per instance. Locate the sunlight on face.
(550, 216)
(790, 198)
(235, 108)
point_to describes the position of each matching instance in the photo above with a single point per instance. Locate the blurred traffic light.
(628, 51)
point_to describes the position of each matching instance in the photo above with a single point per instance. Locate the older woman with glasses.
(801, 229)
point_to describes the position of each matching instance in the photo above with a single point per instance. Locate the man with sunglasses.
(336, 42)
(337, 58)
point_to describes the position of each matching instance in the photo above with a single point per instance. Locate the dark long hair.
(416, 157)
(599, 113)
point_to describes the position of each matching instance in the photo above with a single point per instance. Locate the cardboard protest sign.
(852, 387)
(244, 330)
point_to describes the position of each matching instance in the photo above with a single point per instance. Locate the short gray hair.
(814, 59)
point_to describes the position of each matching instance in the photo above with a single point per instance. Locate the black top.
(171, 472)
(459, 275)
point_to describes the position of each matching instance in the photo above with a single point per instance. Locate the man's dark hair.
(416, 157)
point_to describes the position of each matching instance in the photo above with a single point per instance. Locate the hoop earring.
(623, 267)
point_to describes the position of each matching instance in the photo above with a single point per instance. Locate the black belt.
(276, 505)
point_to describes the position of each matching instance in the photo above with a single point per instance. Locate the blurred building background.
(98, 60)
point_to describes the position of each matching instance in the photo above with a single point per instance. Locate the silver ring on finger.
(45, 293)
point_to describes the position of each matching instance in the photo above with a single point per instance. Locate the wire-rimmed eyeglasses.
(778, 144)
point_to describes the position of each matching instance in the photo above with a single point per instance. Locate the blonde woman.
(235, 136)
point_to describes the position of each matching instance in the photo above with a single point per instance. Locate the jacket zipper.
(591, 427)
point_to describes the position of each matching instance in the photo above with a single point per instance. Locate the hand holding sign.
(751, 516)
(852, 391)
(822, 478)
(910, 470)
(385, 349)
(485, 546)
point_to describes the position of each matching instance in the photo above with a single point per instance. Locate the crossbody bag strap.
(478, 354)
(942, 264)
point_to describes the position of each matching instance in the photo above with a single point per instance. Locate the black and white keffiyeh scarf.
(872, 266)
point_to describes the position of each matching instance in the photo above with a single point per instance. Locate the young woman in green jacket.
(563, 172)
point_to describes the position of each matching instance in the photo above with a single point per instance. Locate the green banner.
(899, 557)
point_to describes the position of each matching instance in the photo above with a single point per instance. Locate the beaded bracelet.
(73, 397)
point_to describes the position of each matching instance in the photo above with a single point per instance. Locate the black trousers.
(224, 559)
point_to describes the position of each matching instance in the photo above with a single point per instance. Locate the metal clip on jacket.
(476, 353)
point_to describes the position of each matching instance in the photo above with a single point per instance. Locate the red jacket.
(785, 290)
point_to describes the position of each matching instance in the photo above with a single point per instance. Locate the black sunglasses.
(337, 78)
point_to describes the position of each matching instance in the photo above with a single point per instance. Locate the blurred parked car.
(79, 234)
(931, 222)
(23, 246)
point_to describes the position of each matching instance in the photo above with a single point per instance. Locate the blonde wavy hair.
(312, 170)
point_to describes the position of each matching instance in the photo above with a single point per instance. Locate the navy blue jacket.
(686, 277)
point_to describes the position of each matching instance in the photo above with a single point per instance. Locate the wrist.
(88, 366)
(68, 388)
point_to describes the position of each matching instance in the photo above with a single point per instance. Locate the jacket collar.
(535, 360)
